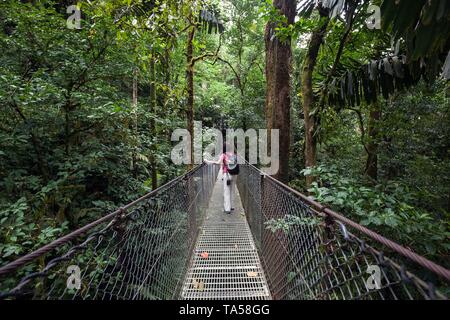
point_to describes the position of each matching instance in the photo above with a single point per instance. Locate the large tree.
(278, 70)
(309, 64)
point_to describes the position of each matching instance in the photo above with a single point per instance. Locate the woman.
(229, 181)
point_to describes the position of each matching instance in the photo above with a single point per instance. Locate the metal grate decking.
(231, 269)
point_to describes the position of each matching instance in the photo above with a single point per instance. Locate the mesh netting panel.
(142, 254)
(308, 256)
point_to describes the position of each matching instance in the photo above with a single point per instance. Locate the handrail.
(319, 208)
(16, 264)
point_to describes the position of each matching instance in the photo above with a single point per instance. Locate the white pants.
(228, 191)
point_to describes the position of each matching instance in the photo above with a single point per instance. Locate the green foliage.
(423, 24)
(231, 91)
(67, 137)
(286, 223)
(74, 146)
(386, 208)
(19, 236)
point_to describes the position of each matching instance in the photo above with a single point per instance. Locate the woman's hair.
(227, 147)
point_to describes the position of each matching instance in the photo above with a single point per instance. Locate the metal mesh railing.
(225, 264)
(310, 252)
(141, 251)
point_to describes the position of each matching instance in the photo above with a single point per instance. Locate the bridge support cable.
(141, 251)
(311, 252)
(176, 242)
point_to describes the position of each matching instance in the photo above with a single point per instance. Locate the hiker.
(230, 169)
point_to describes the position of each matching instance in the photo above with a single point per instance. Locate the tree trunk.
(308, 95)
(277, 109)
(372, 146)
(278, 70)
(270, 80)
(134, 104)
(153, 131)
(190, 91)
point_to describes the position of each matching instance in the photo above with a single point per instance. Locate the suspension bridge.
(176, 243)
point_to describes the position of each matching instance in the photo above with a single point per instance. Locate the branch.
(207, 54)
(238, 77)
(337, 59)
